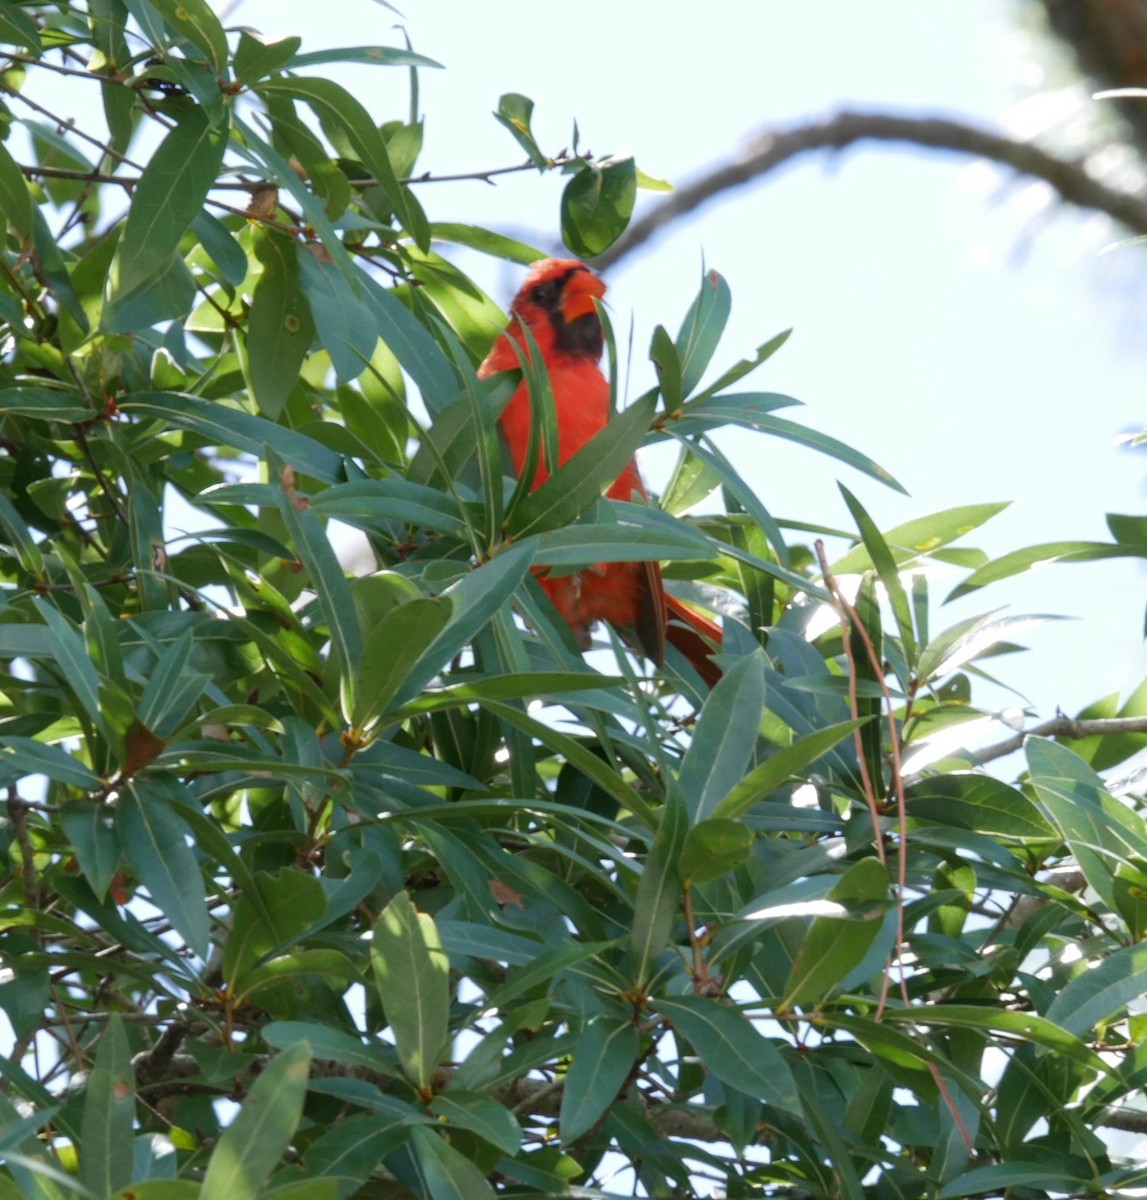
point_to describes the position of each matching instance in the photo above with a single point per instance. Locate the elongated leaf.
(221, 425)
(334, 105)
(391, 650)
(280, 326)
(781, 766)
(702, 328)
(825, 444)
(345, 321)
(90, 829)
(413, 979)
(514, 113)
(255, 58)
(194, 20)
(586, 475)
(167, 199)
(476, 598)
(326, 575)
(26, 756)
(659, 893)
(1035, 1174)
(1099, 994)
(978, 802)
(885, 566)
(446, 1173)
(733, 1050)
(109, 1114)
(251, 1147)
(72, 656)
(326, 1041)
(42, 404)
(969, 639)
(482, 1115)
(1022, 560)
(383, 56)
(834, 945)
(154, 840)
(725, 737)
(602, 1059)
(923, 535)
(15, 199)
(369, 503)
(485, 241)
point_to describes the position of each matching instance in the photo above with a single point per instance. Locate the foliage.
(327, 885)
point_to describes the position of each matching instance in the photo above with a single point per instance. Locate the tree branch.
(1067, 727)
(773, 148)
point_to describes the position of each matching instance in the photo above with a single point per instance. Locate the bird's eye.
(544, 294)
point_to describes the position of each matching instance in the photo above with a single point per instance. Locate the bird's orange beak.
(579, 293)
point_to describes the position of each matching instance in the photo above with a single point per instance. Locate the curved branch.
(773, 148)
(1067, 727)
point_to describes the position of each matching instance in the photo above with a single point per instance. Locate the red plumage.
(556, 304)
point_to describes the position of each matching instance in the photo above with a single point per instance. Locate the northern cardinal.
(556, 303)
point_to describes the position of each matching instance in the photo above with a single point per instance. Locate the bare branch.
(773, 148)
(1067, 727)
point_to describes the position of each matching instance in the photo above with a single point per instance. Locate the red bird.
(556, 304)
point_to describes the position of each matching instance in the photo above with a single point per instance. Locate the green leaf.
(221, 425)
(26, 756)
(658, 899)
(514, 113)
(969, 640)
(326, 1041)
(725, 737)
(885, 566)
(821, 442)
(603, 1057)
(251, 1147)
(781, 766)
(712, 848)
(702, 329)
(154, 840)
(1027, 1175)
(326, 575)
(640, 534)
(382, 56)
(345, 322)
(1100, 993)
(18, 29)
(967, 800)
(15, 199)
(90, 829)
(834, 945)
(1032, 1028)
(597, 204)
(412, 975)
(272, 913)
(42, 404)
(168, 197)
(923, 535)
(577, 483)
(280, 327)
(446, 1174)
(730, 1046)
(109, 1114)
(485, 241)
(71, 654)
(1101, 833)
(194, 20)
(1022, 560)
(482, 1115)
(391, 651)
(335, 106)
(255, 58)
(171, 690)
(475, 598)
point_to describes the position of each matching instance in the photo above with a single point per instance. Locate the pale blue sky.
(977, 352)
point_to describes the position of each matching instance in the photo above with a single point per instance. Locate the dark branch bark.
(773, 148)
